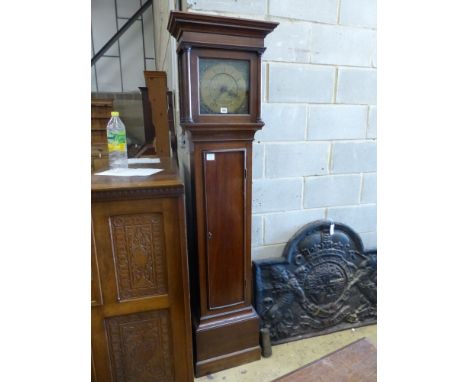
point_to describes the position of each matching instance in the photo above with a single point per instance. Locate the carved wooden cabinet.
(219, 76)
(141, 328)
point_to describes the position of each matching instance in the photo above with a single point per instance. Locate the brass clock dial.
(224, 86)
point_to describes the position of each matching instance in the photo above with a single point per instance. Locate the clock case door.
(194, 92)
(223, 207)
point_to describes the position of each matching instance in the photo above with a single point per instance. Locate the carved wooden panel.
(139, 258)
(140, 347)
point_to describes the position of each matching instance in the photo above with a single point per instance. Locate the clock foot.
(227, 361)
(226, 343)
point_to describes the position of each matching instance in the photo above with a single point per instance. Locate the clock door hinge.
(245, 173)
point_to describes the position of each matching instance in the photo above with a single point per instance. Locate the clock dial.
(224, 86)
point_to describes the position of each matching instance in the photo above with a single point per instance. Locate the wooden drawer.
(102, 102)
(99, 163)
(99, 150)
(101, 112)
(99, 123)
(98, 137)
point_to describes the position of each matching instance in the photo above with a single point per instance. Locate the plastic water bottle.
(116, 142)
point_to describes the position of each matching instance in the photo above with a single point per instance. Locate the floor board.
(291, 356)
(356, 362)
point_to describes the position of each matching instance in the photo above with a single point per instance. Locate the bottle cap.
(114, 113)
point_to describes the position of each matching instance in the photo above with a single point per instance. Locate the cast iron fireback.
(323, 282)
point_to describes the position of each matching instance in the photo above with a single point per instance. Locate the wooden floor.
(356, 362)
(291, 356)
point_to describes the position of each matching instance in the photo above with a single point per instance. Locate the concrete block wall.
(121, 68)
(316, 156)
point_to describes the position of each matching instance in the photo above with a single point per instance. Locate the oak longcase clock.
(219, 62)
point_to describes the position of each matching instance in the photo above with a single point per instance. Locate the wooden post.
(156, 82)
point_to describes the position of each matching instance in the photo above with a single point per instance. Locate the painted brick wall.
(316, 156)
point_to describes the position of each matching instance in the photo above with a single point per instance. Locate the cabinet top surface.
(166, 179)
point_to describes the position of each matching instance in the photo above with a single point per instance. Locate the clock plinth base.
(214, 365)
(226, 343)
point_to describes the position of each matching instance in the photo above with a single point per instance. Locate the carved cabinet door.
(139, 325)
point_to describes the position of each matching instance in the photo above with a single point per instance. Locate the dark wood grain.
(140, 317)
(156, 82)
(207, 313)
(150, 130)
(356, 362)
(219, 192)
(182, 22)
(225, 232)
(141, 347)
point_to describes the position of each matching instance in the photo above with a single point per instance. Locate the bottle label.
(117, 141)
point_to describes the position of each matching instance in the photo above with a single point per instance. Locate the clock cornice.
(180, 22)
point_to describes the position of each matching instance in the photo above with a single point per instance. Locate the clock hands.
(223, 89)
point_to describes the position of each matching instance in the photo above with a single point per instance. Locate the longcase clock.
(219, 62)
